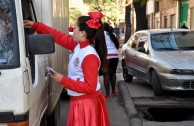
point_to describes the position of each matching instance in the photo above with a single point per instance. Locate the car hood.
(178, 59)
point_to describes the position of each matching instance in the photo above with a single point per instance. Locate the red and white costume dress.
(87, 104)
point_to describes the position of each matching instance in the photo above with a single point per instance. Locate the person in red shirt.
(87, 104)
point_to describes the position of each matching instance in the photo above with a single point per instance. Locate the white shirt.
(111, 48)
(75, 69)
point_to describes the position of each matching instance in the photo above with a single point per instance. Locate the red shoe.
(107, 97)
(114, 93)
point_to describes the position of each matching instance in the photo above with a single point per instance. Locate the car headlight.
(179, 71)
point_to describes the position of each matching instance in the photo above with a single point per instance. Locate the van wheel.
(43, 121)
(54, 118)
(126, 76)
(156, 84)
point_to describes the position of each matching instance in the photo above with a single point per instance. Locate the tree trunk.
(127, 22)
(141, 19)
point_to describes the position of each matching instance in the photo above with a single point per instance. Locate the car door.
(130, 54)
(142, 57)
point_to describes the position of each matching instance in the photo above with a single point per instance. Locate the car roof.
(152, 31)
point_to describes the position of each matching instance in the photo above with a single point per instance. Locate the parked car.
(162, 57)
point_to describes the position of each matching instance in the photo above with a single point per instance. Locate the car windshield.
(8, 47)
(170, 41)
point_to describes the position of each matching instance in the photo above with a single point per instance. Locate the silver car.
(162, 57)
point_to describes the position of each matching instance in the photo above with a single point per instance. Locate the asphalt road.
(143, 108)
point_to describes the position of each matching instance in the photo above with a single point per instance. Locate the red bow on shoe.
(94, 22)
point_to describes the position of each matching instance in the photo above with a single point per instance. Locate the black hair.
(109, 29)
(97, 39)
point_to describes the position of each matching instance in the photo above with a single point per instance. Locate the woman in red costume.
(87, 104)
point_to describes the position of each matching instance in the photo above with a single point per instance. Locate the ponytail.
(100, 46)
(107, 28)
(97, 39)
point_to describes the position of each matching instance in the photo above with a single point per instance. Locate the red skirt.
(88, 110)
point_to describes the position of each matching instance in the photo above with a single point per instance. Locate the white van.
(27, 96)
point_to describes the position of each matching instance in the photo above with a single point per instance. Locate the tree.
(111, 8)
(94, 1)
(108, 6)
(141, 18)
(127, 22)
(140, 10)
(73, 15)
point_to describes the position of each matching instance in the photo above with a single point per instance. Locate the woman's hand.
(28, 23)
(57, 77)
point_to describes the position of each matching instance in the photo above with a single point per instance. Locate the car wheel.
(126, 76)
(156, 84)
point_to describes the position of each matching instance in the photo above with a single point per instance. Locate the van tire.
(43, 120)
(54, 118)
(156, 84)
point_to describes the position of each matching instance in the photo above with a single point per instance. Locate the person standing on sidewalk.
(87, 104)
(184, 26)
(112, 44)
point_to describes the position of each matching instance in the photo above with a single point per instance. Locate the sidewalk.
(117, 112)
(128, 105)
(131, 111)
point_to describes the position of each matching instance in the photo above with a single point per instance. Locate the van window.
(9, 50)
(28, 14)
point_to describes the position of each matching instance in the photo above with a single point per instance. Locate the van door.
(37, 65)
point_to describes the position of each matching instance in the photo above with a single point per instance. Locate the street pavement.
(117, 113)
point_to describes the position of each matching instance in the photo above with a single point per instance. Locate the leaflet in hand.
(50, 70)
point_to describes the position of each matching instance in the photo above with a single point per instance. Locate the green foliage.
(73, 15)
(91, 2)
(143, 2)
(111, 8)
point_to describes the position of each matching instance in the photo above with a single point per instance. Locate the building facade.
(170, 13)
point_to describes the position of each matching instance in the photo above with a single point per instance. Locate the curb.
(131, 111)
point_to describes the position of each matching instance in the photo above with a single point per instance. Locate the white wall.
(150, 7)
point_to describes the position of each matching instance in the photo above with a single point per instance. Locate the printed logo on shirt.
(76, 61)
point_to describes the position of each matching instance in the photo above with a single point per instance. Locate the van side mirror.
(40, 44)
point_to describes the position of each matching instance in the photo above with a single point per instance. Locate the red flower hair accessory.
(70, 29)
(94, 22)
